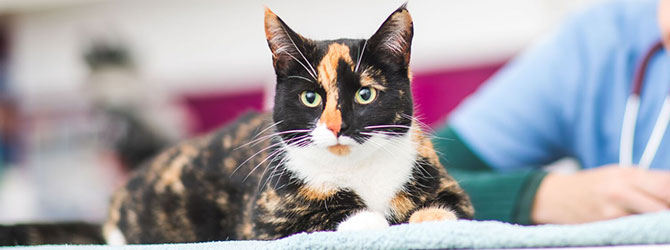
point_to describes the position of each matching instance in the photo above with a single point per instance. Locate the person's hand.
(598, 194)
(664, 22)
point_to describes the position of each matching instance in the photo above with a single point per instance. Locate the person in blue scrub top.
(566, 97)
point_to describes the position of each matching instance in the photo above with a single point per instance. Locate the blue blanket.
(632, 230)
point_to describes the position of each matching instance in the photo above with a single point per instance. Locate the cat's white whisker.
(254, 155)
(266, 129)
(292, 181)
(259, 164)
(379, 146)
(256, 138)
(299, 52)
(390, 133)
(271, 155)
(424, 173)
(360, 56)
(271, 165)
(386, 133)
(428, 131)
(274, 170)
(270, 136)
(272, 174)
(303, 65)
(281, 163)
(260, 151)
(387, 126)
(300, 77)
(278, 175)
(285, 159)
(300, 140)
(266, 137)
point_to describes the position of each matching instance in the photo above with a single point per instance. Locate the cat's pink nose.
(333, 120)
(333, 127)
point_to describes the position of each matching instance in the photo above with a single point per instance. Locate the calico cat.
(340, 151)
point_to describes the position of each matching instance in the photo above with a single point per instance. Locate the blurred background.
(90, 88)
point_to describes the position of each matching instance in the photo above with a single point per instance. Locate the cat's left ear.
(286, 45)
(393, 40)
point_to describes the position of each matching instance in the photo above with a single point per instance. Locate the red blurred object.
(211, 110)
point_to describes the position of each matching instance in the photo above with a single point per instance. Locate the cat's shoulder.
(201, 150)
(424, 146)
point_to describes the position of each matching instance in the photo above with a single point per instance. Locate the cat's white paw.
(113, 236)
(363, 220)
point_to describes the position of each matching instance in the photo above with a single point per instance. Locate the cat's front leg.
(448, 204)
(363, 220)
(432, 214)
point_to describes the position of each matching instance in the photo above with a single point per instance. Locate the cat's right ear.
(393, 40)
(286, 45)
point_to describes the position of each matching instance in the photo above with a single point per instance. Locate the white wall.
(199, 44)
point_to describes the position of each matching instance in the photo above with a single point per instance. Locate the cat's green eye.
(366, 95)
(310, 98)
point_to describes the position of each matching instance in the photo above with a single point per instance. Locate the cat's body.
(195, 191)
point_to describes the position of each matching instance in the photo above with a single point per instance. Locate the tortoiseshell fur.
(189, 193)
(234, 184)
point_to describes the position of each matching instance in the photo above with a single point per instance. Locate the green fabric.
(498, 196)
(527, 197)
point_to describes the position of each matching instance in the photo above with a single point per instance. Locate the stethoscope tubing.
(630, 119)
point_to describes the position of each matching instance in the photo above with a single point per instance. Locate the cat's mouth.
(342, 145)
(339, 145)
(339, 149)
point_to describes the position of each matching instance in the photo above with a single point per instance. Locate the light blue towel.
(632, 230)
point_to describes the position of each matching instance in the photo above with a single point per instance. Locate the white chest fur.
(375, 170)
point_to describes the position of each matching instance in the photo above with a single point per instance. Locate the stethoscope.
(630, 119)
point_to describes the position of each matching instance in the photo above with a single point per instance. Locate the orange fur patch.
(269, 200)
(316, 194)
(230, 164)
(432, 214)
(339, 149)
(401, 205)
(409, 73)
(327, 77)
(227, 142)
(404, 20)
(368, 81)
(247, 230)
(270, 21)
(114, 212)
(172, 175)
(424, 146)
(397, 117)
(327, 68)
(332, 117)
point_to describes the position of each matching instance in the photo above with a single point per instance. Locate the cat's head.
(338, 94)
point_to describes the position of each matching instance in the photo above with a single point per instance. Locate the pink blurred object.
(212, 110)
(436, 93)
